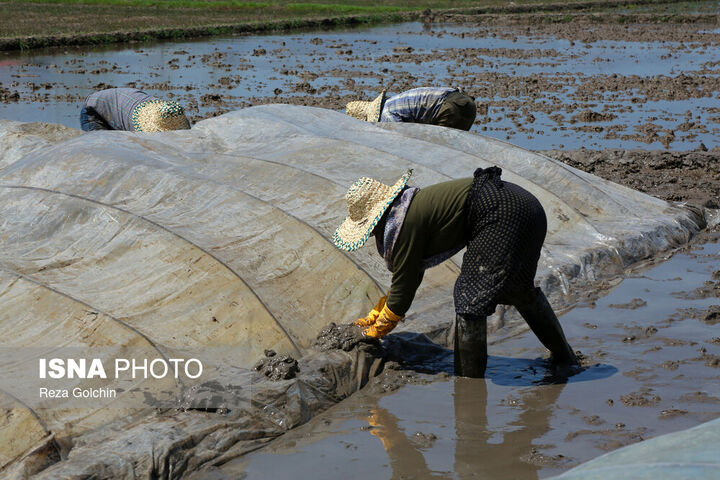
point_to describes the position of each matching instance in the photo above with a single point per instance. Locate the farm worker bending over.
(131, 109)
(448, 107)
(503, 227)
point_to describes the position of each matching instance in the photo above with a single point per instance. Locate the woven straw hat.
(368, 111)
(159, 116)
(367, 199)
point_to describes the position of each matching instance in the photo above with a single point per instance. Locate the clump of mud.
(590, 116)
(631, 305)
(712, 315)
(342, 337)
(642, 398)
(423, 440)
(277, 367)
(7, 96)
(537, 458)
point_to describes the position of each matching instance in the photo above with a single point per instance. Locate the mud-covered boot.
(470, 346)
(542, 320)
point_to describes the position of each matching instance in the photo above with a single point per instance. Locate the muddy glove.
(384, 324)
(373, 315)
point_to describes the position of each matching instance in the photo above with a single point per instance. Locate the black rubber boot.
(470, 346)
(542, 320)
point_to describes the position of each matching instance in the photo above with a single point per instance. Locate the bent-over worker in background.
(503, 227)
(448, 107)
(132, 110)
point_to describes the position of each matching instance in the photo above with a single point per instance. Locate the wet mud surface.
(526, 420)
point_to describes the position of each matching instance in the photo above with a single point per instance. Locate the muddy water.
(651, 348)
(538, 89)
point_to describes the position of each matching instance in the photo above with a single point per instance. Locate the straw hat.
(367, 199)
(368, 111)
(159, 116)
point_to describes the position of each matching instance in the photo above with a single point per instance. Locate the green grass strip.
(204, 4)
(306, 7)
(338, 8)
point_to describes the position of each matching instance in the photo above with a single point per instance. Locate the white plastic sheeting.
(690, 454)
(214, 242)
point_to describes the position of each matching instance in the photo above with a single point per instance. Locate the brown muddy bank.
(692, 177)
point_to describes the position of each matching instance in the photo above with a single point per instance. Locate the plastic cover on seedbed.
(215, 243)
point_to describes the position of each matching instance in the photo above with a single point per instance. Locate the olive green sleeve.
(434, 223)
(407, 267)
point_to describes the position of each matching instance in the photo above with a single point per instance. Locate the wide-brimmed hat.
(368, 111)
(159, 116)
(367, 199)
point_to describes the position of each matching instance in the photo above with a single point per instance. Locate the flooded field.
(651, 347)
(546, 87)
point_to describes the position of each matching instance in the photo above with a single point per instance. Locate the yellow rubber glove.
(384, 323)
(373, 315)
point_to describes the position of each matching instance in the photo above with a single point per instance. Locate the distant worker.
(503, 227)
(132, 110)
(448, 107)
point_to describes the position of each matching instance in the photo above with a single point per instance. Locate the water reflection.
(479, 450)
(498, 427)
(406, 460)
(474, 440)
